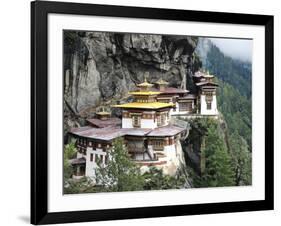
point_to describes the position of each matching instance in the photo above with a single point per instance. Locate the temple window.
(209, 105)
(158, 144)
(97, 158)
(185, 106)
(158, 120)
(209, 99)
(136, 120)
(163, 119)
(91, 157)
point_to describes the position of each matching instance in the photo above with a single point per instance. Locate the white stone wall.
(144, 123)
(170, 151)
(148, 123)
(203, 107)
(127, 123)
(174, 158)
(176, 112)
(91, 165)
(150, 150)
(80, 155)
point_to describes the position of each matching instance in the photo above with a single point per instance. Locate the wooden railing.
(136, 150)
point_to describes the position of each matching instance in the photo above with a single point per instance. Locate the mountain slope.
(235, 103)
(235, 72)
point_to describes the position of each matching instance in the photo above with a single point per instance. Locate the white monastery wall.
(204, 110)
(91, 165)
(80, 155)
(148, 123)
(127, 123)
(175, 112)
(144, 123)
(175, 158)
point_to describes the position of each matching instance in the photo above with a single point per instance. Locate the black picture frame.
(39, 112)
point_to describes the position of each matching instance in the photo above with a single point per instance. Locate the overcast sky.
(236, 48)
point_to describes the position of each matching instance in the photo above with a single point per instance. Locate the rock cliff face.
(101, 67)
(202, 49)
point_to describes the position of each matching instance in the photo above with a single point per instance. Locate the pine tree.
(156, 180)
(120, 173)
(69, 153)
(241, 159)
(218, 169)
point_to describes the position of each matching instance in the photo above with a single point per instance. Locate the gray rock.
(103, 67)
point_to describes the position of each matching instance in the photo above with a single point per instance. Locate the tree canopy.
(218, 170)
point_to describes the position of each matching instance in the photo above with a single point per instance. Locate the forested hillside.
(234, 102)
(232, 71)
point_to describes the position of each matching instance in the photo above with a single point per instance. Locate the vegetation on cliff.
(224, 160)
(237, 111)
(215, 160)
(120, 173)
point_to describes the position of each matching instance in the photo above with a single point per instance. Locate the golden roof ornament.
(145, 85)
(208, 75)
(103, 111)
(161, 81)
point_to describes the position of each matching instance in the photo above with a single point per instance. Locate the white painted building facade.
(92, 158)
(172, 160)
(208, 108)
(145, 119)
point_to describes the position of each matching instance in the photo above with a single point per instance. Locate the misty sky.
(236, 48)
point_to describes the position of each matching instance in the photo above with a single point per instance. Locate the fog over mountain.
(235, 48)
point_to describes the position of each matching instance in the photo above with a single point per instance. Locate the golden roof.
(151, 105)
(207, 75)
(161, 81)
(103, 113)
(145, 84)
(144, 93)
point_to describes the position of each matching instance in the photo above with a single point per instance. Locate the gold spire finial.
(145, 85)
(103, 112)
(146, 74)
